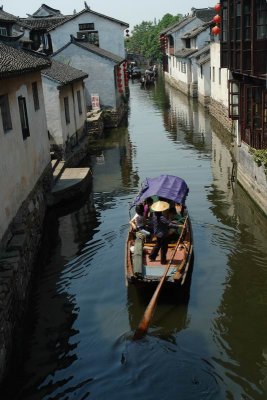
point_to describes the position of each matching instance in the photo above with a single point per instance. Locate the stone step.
(71, 184)
(59, 169)
(54, 163)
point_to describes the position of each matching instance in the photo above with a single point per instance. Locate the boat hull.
(141, 271)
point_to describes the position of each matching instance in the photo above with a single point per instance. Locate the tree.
(144, 38)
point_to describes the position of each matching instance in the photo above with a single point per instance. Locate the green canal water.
(82, 318)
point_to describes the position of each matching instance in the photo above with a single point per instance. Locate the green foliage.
(260, 157)
(144, 37)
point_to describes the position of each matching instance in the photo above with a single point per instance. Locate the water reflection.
(170, 315)
(51, 338)
(239, 322)
(210, 346)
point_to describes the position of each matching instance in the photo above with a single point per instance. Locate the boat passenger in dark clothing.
(160, 226)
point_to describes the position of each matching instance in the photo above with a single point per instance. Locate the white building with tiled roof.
(183, 40)
(24, 145)
(65, 106)
(101, 30)
(104, 69)
(51, 30)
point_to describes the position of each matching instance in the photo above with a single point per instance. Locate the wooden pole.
(145, 321)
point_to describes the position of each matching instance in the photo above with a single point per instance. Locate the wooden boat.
(147, 80)
(139, 269)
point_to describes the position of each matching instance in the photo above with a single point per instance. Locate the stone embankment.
(18, 254)
(19, 248)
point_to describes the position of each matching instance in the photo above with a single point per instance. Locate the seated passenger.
(138, 221)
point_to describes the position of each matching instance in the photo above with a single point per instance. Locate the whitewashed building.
(50, 30)
(200, 62)
(65, 106)
(105, 32)
(91, 42)
(182, 41)
(24, 144)
(106, 74)
(219, 86)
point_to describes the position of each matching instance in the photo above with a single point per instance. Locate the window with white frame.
(183, 67)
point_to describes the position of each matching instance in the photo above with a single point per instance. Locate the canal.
(82, 317)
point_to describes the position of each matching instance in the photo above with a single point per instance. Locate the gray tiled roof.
(194, 32)
(48, 9)
(185, 52)
(206, 14)
(63, 73)
(45, 23)
(178, 25)
(94, 49)
(203, 50)
(6, 17)
(16, 62)
(203, 60)
(89, 11)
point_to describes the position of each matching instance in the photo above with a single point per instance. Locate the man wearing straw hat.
(161, 227)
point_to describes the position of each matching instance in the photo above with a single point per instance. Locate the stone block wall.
(183, 87)
(204, 100)
(18, 251)
(113, 117)
(95, 123)
(220, 112)
(252, 177)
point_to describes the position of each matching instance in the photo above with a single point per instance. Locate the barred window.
(5, 113)
(23, 117)
(67, 110)
(79, 102)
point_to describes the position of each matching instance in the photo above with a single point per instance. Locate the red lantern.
(217, 7)
(217, 19)
(216, 30)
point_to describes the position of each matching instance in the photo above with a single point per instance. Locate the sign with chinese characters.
(95, 101)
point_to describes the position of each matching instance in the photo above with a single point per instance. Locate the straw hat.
(160, 206)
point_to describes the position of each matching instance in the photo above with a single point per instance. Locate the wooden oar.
(144, 323)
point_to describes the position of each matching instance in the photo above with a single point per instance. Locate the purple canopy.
(167, 186)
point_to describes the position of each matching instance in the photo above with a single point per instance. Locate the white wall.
(55, 111)
(202, 39)
(99, 69)
(21, 161)
(111, 34)
(219, 91)
(176, 69)
(204, 81)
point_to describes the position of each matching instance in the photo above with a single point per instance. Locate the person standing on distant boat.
(161, 227)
